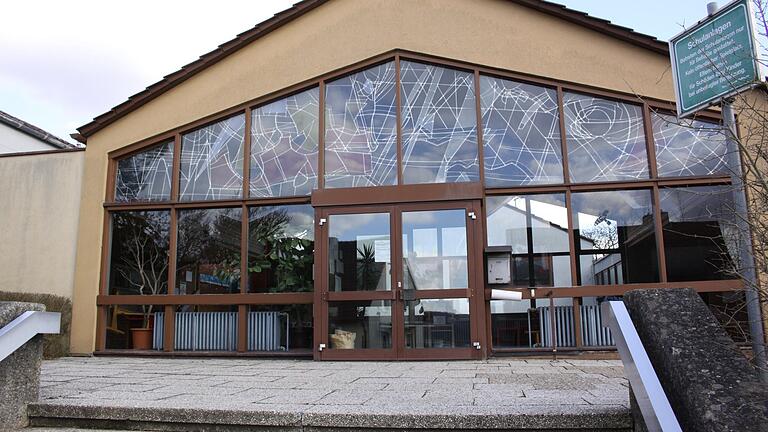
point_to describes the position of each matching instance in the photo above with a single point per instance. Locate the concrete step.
(297, 418)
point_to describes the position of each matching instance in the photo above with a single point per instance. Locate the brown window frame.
(324, 197)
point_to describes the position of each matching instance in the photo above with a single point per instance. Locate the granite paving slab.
(471, 394)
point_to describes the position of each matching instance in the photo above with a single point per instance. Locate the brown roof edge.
(598, 24)
(304, 6)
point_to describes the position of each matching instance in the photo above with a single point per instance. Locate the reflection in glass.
(145, 176)
(359, 255)
(208, 251)
(123, 319)
(212, 161)
(280, 328)
(606, 140)
(527, 323)
(204, 328)
(435, 249)
(536, 227)
(688, 147)
(361, 129)
(439, 124)
(521, 133)
(284, 146)
(700, 237)
(138, 260)
(360, 325)
(281, 243)
(614, 231)
(437, 323)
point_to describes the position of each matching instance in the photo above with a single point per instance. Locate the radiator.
(593, 334)
(217, 331)
(592, 331)
(563, 326)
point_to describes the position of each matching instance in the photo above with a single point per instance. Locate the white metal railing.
(650, 396)
(26, 326)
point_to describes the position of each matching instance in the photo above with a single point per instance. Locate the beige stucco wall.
(493, 33)
(41, 205)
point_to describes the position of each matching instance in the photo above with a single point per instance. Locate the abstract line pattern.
(361, 129)
(212, 161)
(606, 141)
(439, 124)
(692, 149)
(521, 133)
(284, 146)
(145, 176)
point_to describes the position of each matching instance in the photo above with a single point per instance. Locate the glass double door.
(399, 281)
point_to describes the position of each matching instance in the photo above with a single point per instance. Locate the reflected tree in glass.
(139, 255)
(208, 251)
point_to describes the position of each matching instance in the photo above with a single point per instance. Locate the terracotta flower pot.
(142, 338)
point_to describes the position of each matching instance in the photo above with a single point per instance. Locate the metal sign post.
(711, 63)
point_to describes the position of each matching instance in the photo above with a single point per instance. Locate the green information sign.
(714, 59)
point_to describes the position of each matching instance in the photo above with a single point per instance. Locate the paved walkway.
(497, 386)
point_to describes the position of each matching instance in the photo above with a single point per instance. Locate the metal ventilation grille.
(592, 331)
(217, 331)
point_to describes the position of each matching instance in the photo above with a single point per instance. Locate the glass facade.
(208, 251)
(560, 179)
(606, 139)
(521, 133)
(439, 124)
(361, 129)
(212, 161)
(145, 176)
(615, 232)
(284, 146)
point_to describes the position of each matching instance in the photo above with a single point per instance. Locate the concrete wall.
(493, 33)
(38, 216)
(14, 141)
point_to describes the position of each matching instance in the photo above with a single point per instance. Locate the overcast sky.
(64, 62)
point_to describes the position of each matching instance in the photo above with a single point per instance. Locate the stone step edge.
(587, 419)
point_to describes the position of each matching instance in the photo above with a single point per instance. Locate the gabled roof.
(34, 131)
(304, 6)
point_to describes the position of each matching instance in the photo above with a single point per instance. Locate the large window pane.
(212, 161)
(284, 146)
(361, 129)
(536, 228)
(521, 133)
(145, 176)
(435, 249)
(614, 232)
(688, 147)
(439, 124)
(700, 237)
(437, 323)
(606, 140)
(138, 263)
(359, 252)
(360, 325)
(208, 251)
(280, 248)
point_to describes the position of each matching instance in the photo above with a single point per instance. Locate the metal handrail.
(650, 396)
(26, 326)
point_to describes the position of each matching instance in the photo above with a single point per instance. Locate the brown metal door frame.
(474, 293)
(323, 296)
